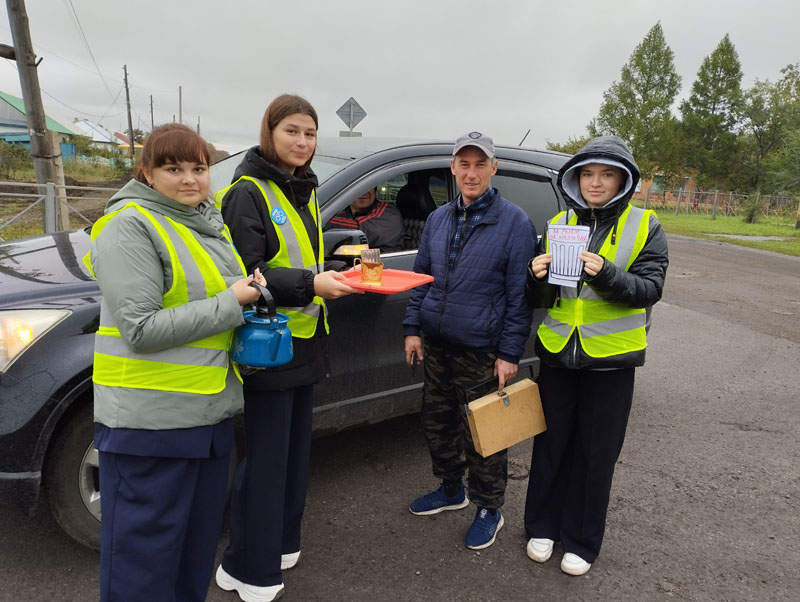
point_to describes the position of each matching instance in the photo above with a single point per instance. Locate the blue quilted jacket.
(480, 303)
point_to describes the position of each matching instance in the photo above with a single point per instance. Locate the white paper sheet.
(566, 244)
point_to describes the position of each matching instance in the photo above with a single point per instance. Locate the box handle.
(504, 396)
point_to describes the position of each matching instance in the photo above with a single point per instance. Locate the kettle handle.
(265, 306)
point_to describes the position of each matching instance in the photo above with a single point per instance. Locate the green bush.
(14, 158)
(752, 208)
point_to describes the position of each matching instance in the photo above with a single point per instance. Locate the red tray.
(394, 281)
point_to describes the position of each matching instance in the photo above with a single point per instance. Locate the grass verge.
(702, 226)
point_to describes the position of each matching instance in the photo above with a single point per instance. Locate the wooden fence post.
(716, 201)
(797, 222)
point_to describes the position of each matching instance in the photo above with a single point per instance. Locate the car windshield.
(325, 166)
(222, 171)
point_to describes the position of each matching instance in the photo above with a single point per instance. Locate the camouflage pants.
(451, 377)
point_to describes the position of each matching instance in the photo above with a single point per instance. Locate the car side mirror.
(343, 244)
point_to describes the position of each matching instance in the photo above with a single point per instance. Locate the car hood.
(43, 269)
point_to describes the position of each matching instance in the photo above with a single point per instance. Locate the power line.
(89, 48)
(113, 102)
(61, 102)
(78, 110)
(39, 47)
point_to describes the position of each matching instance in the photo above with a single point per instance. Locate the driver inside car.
(380, 222)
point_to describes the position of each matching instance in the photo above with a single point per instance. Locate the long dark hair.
(278, 110)
(171, 143)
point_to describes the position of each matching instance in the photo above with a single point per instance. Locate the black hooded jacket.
(640, 286)
(256, 240)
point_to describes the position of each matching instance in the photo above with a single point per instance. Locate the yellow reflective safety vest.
(295, 251)
(605, 329)
(197, 367)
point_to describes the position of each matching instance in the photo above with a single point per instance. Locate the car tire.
(72, 480)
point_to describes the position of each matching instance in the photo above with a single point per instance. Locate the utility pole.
(130, 121)
(45, 147)
(152, 123)
(198, 124)
(180, 105)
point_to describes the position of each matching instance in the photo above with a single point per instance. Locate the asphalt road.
(706, 498)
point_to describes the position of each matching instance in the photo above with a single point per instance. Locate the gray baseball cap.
(477, 139)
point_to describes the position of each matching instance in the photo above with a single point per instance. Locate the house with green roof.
(14, 127)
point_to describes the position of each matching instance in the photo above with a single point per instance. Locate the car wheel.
(72, 479)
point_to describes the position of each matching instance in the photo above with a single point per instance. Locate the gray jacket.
(133, 269)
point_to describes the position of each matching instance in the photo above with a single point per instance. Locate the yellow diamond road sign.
(351, 113)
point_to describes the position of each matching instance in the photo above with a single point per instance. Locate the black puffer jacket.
(639, 287)
(256, 240)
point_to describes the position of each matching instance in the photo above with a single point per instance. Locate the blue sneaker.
(438, 501)
(484, 529)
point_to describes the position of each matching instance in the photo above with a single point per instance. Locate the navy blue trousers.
(269, 492)
(573, 460)
(161, 523)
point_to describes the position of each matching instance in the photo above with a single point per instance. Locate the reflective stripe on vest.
(295, 250)
(197, 367)
(604, 329)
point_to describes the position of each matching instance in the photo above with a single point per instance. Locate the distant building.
(124, 142)
(14, 127)
(100, 136)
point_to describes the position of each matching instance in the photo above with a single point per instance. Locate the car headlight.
(21, 328)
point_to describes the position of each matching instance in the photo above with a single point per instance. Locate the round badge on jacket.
(278, 216)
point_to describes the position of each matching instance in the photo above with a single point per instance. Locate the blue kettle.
(264, 340)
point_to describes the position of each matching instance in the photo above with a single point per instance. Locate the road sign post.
(352, 114)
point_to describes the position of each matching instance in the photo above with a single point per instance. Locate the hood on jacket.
(608, 150)
(256, 166)
(204, 218)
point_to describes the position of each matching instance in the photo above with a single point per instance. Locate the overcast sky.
(420, 68)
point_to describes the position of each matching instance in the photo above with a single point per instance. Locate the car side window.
(409, 197)
(535, 194)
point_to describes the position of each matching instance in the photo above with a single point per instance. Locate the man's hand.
(413, 343)
(503, 370)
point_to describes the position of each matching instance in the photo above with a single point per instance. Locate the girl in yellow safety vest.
(272, 211)
(165, 391)
(593, 337)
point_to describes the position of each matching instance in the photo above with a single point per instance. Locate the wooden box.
(502, 418)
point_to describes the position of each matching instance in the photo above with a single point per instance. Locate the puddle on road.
(746, 237)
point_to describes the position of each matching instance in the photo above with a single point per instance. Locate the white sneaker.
(572, 564)
(247, 592)
(288, 561)
(540, 550)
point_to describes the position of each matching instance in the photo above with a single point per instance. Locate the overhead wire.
(88, 47)
(96, 71)
(61, 102)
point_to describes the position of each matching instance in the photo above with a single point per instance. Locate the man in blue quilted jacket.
(469, 326)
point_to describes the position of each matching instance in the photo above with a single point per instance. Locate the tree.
(216, 154)
(571, 146)
(711, 113)
(637, 108)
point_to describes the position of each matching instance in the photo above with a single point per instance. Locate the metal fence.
(27, 209)
(719, 202)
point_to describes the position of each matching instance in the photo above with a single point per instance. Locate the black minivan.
(49, 312)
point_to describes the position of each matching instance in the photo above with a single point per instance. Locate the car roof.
(359, 147)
